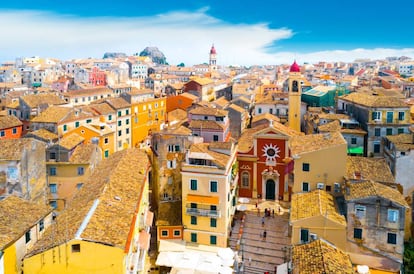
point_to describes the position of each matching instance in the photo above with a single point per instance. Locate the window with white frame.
(360, 211)
(320, 186)
(245, 179)
(376, 115)
(392, 215)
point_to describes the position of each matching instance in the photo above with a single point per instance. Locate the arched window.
(295, 86)
(245, 183)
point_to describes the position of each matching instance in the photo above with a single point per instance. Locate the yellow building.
(209, 189)
(106, 227)
(313, 215)
(147, 113)
(69, 163)
(101, 133)
(22, 224)
(320, 162)
(295, 94)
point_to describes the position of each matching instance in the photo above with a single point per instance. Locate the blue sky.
(243, 32)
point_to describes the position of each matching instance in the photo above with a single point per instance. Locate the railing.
(203, 212)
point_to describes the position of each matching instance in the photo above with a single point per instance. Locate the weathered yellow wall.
(9, 255)
(92, 258)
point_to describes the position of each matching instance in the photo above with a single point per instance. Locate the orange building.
(102, 133)
(10, 127)
(181, 101)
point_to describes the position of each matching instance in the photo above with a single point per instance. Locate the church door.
(270, 189)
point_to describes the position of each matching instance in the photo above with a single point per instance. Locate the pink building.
(97, 77)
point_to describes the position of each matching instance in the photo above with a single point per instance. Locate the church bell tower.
(295, 93)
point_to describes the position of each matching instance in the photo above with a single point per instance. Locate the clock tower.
(295, 93)
(213, 59)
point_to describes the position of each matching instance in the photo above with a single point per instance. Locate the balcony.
(203, 212)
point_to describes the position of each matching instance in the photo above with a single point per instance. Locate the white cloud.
(182, 36)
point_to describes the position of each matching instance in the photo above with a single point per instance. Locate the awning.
(356, 150)
(211, 200)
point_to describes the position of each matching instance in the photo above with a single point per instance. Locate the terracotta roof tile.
(43, 134)
(313, 142)
(205, 124)
(34, 100)
(373, 100)
(70, 141)
(9, 121)
(83, 153)
(402, 142)
(364, 168)
(320, 257)
(367, 189)
(265, 116)
(114, 187)
(330, 127)
(209, 111)
(312, 204)
(52, 114)
(17, 216)
(220, 159)
(12, 149)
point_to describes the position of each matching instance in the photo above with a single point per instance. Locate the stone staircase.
(260, 255)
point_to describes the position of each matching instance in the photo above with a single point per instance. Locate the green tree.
(409, 256)
(181, 65)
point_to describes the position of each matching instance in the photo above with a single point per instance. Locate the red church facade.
(265, 163)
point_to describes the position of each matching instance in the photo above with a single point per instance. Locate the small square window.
(305, 167)
(392, 215)
(213, 222)
(305, 186)
(177, 233)
(357, 233)
(28, 236)
(76, 248)
(392, 238)
(213, 240)
(377, 132)
(164, 233)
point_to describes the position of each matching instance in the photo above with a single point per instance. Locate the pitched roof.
(70, 141)
(219, 159)
(402, 142)
(374, 100)
(102, 108)
(364, 168)
(118, 103)
(205, 124)
(202, 81)
(314, 142)
(17, 216)
(265, 116)
(320, 257)
(312, 204)
(12, 149)
(52, 114)
(9, 121)
(368, 189)
(109, 197)
(35, 100)
(43, 134)
(209, 111)
(330, 127)
(82, 153)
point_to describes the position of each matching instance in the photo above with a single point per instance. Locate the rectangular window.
(41, 225)
(213, 207)
(88, 121)
(119, 123)
(65, 127)
(170, 148)
(305, 187)
(357, 233)
(119, 113)
(76, 248)
(106, 153)
(177, 148)
(2, 133)
(53, 188)
(376, 116)
(119, 132)
(377, 131)
(177, 233)
(127, 131)
(164, 233)
(213, 222)
(27, 236)
(353, 141)
(14, 131)
(119, 144)
(213, 240)
(337, 187)
(193, 220)
(392, 238)
(215, 138)
(389, 131)
(390, 117)
(377, 148)
(400, 131)
(127, 121)
(305, 167)
(81, 170)
(193, 237)
(53, 204)
(106, 141)
(109, 117)
(52, 155)
(304, 235)
(360, 211)
(401, 115)
(76, 124)
(392, 215)
(320, 186)
(213, 186)
(193, 184)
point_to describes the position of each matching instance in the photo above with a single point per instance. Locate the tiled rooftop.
(9, 121)
(205, 124)
(116, 184)
(265, 116)
(402, 142)
(330, 127)
(220, 159)
(34, 100)
(209, 111)
(364, 168)
(12, 149)
(83, 153)
(320, 257)
(70, 141)
(52, 114)
(44, 134)
(369, 189)
(374, 100)
(17, 216)
(313, 142)
(313, 204)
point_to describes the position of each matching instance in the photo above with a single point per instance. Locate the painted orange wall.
(8, 133)
(178, 101)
